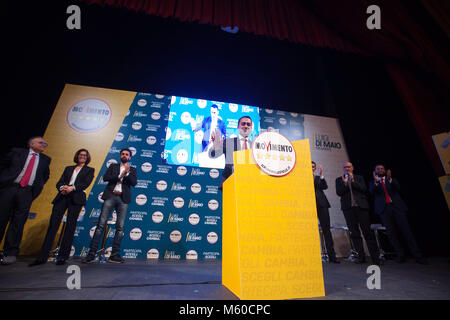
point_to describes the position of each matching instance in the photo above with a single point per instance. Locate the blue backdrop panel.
(176, 208)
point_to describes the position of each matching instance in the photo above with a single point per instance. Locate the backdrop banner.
(176, 207)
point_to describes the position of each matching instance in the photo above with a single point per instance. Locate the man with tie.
(390, 207)
(117, 195)
(209, 125)
(323, 213)
(229, 145)
(23, 174)
(352, 190)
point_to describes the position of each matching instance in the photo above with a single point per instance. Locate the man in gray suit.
(352, 190)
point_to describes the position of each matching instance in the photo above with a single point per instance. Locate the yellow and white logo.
(273, 153)
(89, 115)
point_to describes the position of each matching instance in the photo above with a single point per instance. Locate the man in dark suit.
(390, 207)
(229, 145)
(352, 190)
(22, 177)
(323, 214)
(209, 125)
(117, 195)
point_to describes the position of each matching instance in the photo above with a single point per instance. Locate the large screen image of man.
(194, 123)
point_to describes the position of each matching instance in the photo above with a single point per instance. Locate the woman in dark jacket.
(71, 197)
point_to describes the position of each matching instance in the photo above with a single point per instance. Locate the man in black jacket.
(352, 190)
(22, 177)
(117, 195)
(390, 207)
(323, 214)
(229, 145)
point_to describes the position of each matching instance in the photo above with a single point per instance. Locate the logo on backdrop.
(89, 115)
(273, 153)
(323, 142)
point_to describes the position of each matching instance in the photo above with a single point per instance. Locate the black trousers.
(15, 203)
(324, 219)
(59, 208)
(394, 219)
(357, 218)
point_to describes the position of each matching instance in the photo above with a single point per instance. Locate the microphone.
(347, 176)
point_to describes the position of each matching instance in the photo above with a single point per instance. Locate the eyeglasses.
(248, 124)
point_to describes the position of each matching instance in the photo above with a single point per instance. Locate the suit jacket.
(112, 177)
(359, 192)
(206, 127)
(13, 163)
(83, 180)
(229, 146)
(393, 189)
(321, 198)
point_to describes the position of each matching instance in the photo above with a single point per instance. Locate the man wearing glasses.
(229, 145)
(23, 173)
(117, 195)
(352, 190)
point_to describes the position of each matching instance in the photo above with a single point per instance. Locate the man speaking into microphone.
(352, 190)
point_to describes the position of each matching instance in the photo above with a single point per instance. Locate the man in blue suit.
(209, 125)
(391, 208)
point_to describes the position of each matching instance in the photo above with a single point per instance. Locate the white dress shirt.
(242, 139)
(33, 173)
(118, 187)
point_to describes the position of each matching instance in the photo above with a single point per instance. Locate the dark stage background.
(120, 49)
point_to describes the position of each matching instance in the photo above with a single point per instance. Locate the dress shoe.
(7, 260)
(60, 262)
(88, 259)
(116, 259)
(334, 260)
(378, 262)
(36, 263)
(421, 261)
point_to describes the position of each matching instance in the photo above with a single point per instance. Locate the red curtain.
(341, 25)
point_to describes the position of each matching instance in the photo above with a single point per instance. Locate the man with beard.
(117, 195)
(392, 210)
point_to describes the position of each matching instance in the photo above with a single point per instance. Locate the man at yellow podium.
(229, 145)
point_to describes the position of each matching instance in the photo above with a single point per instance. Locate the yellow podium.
(271, 245)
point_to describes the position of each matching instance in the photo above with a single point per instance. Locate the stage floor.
(139, 279)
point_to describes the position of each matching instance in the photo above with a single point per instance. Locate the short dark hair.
(239, 121)
(88, 156)
(314, 163)
(32, 138)
(379, 164)
(215, 106)
(126, 149)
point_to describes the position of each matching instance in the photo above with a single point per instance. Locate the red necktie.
(245, 144)
(26, 177)
(388, 199)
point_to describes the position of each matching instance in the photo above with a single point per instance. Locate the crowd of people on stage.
(23, 173)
